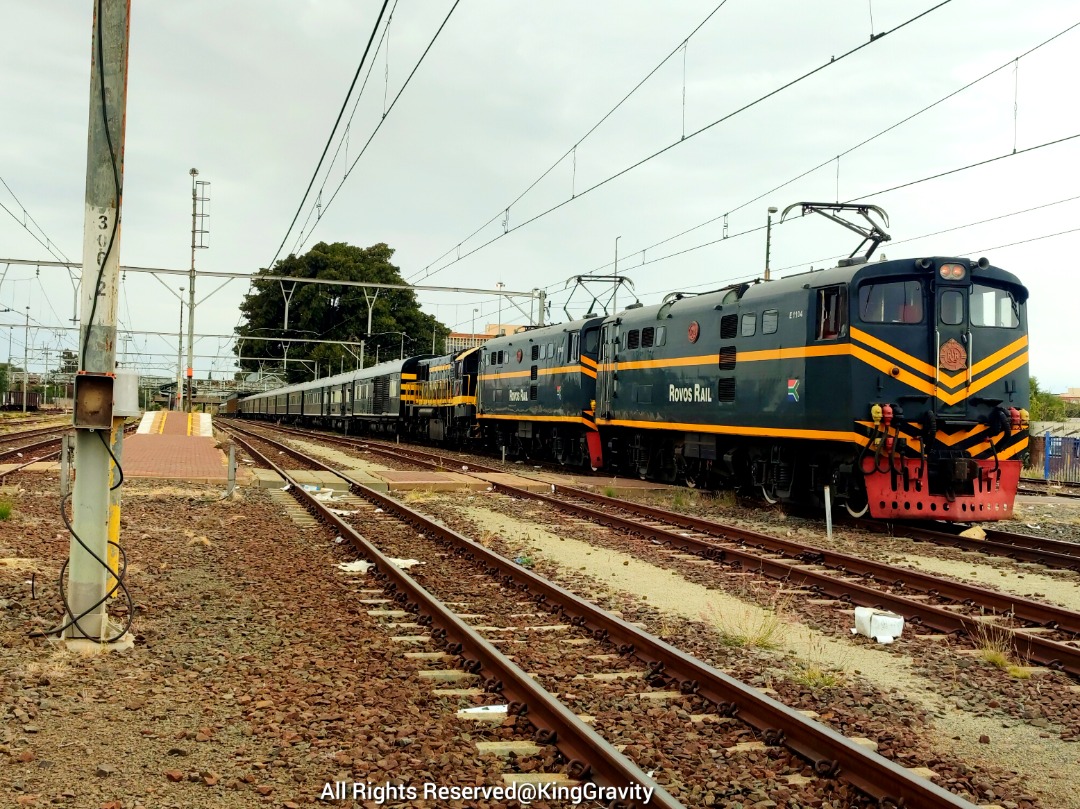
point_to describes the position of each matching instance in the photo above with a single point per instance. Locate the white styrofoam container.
(878, 625)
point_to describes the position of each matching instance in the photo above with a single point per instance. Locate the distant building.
(456, 341)
(1072, 396)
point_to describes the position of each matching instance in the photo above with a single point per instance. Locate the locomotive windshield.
(994, 307)
(891, 302)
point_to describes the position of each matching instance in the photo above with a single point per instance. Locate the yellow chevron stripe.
(587, 361)
(886, 366)
(893, 352)
(984, 381)
(1008, 452)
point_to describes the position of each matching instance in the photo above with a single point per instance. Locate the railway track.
(10, 442)
(1053, 488)
(42, 450)
(1053, 553)
(1038, 632)
(738, 710)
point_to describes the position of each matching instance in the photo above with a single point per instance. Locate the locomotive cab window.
(769, 320)
(994, 307)
(952, 307)
(749, 324)
(891, 302)
(592, 341)
(831, 313)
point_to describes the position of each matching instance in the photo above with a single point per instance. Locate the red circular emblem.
(693, 331)
(952, 357)
(519, 355)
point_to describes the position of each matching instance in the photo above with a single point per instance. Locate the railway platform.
(171, 445)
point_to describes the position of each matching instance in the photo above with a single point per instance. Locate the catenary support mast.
(86, 592)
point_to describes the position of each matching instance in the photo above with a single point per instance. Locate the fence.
(1055, 458)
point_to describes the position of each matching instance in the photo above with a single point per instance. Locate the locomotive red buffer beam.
(983, 490)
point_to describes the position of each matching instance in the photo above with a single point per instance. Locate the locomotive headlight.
(953, 272)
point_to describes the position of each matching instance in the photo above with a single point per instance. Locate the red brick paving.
(176, 423)
(174, 457)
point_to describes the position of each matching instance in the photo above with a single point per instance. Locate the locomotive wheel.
(857, 503)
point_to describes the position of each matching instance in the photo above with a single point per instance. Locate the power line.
(832, 61)
(344, 140)
(330, 139)
(965, 168)
(49, 243)
(740, 279)
(1024, 241)
(386, 115)
(946, 230)
(864, 196)
(572, 149)
(851, 149)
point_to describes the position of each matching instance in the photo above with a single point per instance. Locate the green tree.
(3, 378)
(325, 312)
(1045, 406)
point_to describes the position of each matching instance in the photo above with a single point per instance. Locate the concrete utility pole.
(87, 571)
(26, 360)
(196, 242)
(768, 240)
(180, 357)
(615, 288)
(499, 328)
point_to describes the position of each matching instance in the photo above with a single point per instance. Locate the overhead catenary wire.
(853, 148)
(385, 115)
(343, 141)
(832, 61)
(572, 150)
(333, 131)
(760, 228)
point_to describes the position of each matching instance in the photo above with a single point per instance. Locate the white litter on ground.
(484, 709)
(878, 625)
(361, 566)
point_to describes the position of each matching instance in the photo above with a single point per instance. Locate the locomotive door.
(607, 367)
(952, 350)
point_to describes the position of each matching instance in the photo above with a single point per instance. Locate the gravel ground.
(815, 663)
(1003, 734)
(257, 675)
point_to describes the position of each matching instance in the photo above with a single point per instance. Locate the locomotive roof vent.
(854, 261)
(635, 305)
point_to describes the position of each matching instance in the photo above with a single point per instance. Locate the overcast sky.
(247, 91)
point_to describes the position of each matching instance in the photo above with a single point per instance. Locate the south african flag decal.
(793, 390)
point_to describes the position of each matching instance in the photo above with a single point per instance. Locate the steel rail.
(1028, 646)
(1021, 547)
(589, 754)
(6, 453)
(1024, 609)
(831, 753)
(129, 428)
